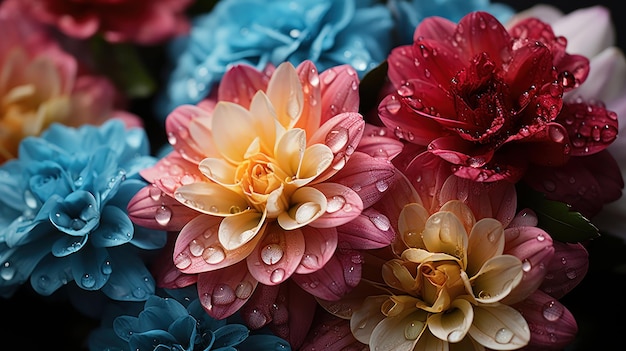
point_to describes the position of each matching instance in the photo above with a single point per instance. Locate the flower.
(490, 101)
(176, 321)
(266, 201)
(144, 23)
(409, 13)
(43, 84)
(464, 273)
(258, 33)
(64, 217)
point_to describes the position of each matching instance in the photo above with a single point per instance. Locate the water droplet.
(7, 272)
(196, 248)
(155, 193)
(310, 261)
(271, 254)
(163, 215)
(256, 319)
(552, 311)
(393, 106)
(571, 273)
(106, 267)
(182, 260)
(139, 292)
(88, 280)
(413, 330)
(335, 203)
(43, 282)
(337, 139)
(277, 275)
(213, 255)
(381, 222)
(382, 185)
(29, 199)
(171, 138)
(504, 336)
(526, 266)
(243, 290)
(223, 295)
(541, 237)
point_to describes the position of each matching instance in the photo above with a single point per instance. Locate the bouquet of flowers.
(307, 175)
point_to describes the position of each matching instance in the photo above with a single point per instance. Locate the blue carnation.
(260, 32)
(63, 213)
(176, 322)
(409, 13)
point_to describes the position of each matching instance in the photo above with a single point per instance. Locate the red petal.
(165, 273)
(591, 128)
(552, 325)
(330, 333)
(534, 247)
(257, 312)
(292, 314)
(566, 270)
(312, 106)
(277, 255)
(480, 32)
(224, 291)
(379, 142)
(153, 209)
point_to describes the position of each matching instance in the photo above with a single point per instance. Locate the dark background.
(31, 322)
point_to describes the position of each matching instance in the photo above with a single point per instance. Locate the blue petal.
(184, 330)
(76, 215)
(230, 335)
(48, 178)
(68, 244)
(150, 340)
(50, 274)
(115, 228)
(90, 268)
(262, 342)
(130, 279)
(125, 326)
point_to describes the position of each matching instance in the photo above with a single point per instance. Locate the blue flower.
(260, 32)
(176, 322)
(409, 13)
(63, 213)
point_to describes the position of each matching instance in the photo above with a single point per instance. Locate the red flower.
(490, 101)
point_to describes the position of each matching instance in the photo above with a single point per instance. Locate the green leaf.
(557, 218)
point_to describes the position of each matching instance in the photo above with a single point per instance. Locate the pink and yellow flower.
(42, 84)
(265, 183)
(490, 101)
(466, 272)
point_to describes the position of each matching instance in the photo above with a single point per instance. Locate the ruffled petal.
(486, 240)
(399, 332)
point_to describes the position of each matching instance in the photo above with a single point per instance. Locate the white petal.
(411, 223)
(237, 230)
(499, 327)
(285, 91)
(486, 240)
(307, 204)
(496, 278)
(211, 198)
(290, 151)
(455, 323)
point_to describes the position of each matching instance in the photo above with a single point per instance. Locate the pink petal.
(344, 204)
(170, 172)
(552, 325)
(240, 83)
(370, 230)
(153, 209)
(165, 273)
(340, 91)
(341, 134)
(379, 142)
(224, 291)
(292, 314)
(369, 177)
(320, 245)
(257, 311)
(330, 333)
(312, 108)
(178, 125)
(566, 270)
(534, 247)
(277, 255)
(427, 174)
(198, 248)
(340, 275)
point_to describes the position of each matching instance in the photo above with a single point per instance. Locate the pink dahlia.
(43, 84)
(266, 184)
(142, 22)
(490, 101)
(466, 272)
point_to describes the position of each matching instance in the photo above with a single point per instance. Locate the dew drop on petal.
(549, 185)
(571, 273)
(139, 292)
(106, 267)
(7, 272)
(256, 319)
(310, 261)
(277, 275)
(223, 295)
(182, 260)
(541, 237)
(413, 330)
(88, 280)
(196, 248)
(381, 222)
(171, 138)
(382, 185)
(155, 193)
(163, 215)
(243, 290)
(526, 266)
(335, 203)
(213, 255)
(271, 254)
(393, 106)
(504, 336)
(43, 282)
(337, 139)
(552, 311)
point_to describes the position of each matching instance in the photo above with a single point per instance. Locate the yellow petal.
(219, 171)
(411, 223)
(496, 278)
(237, 230)
(462, 211)
(365, 318)
(396, 274)
(234, 132)
(290, 151)
(211, 198)
(307, 204)
(316, 159)
(499, 327)
(285, 92)
(445, 233)
(400, 332)
(452, 325)
(265, 124)
(486, 240)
